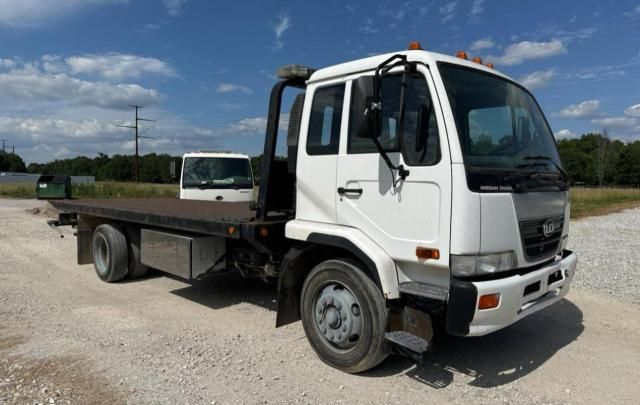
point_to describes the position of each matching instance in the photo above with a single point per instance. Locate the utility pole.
(13, 149)
(3, 141)
(136, 128)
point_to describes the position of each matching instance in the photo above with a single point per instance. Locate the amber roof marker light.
(461, 55)
(415, 46)
(477, 59)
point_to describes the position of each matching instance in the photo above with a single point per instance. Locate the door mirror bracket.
(373, 112)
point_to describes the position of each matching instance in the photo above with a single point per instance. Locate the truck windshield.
(499, 124)
(216, 172)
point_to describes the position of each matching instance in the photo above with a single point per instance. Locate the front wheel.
(344, 316)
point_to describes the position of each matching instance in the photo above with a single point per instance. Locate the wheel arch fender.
(316, 243)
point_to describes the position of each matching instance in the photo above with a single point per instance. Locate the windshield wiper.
(543, 157)
(525, 172)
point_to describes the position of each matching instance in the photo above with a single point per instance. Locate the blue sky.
(203, 69)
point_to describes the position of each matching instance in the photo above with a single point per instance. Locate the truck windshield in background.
(500, 126)
(215, 172)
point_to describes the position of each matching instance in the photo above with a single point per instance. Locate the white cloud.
(174, 7)
(538, 79)
(634, 110)
(283, 24)
(50, 129)
(368, 27)
(517, 53)
(585, 109)
(254, 126)
(616, 122)
(33, 85)
(7, 63)
(230, 87)
(231, 106)
(565, 134)
(28, 13)
(247, 126)
(477, 7)
(482, 44)
(117, 66)
(448, 11)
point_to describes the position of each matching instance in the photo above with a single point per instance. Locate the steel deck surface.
(208, 217)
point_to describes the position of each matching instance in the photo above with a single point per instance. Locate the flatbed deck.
(204, 217)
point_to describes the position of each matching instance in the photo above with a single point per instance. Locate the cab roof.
(216, 155)
(365, 64)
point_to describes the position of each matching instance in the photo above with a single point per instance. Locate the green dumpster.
(53, 187)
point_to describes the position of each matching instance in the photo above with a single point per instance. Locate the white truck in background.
(420, 191)
(217, 176)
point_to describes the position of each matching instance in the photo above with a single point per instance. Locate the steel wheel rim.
(337, 316)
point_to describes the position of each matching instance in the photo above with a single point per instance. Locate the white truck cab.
(217, 176)
(445, 175)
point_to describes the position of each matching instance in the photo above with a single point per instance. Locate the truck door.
(318, 153)
(416, 212)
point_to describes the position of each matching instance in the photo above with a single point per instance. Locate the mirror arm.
(376, 108)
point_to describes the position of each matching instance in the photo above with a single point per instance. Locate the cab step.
(407, 344)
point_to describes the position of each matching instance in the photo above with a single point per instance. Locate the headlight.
(482, 264)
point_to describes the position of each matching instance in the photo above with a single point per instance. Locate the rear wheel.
(135, 268)
(110, 253)
(344, 316)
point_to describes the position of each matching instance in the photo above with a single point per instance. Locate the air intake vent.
(537, 242)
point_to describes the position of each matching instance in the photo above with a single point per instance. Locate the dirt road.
(67, 337)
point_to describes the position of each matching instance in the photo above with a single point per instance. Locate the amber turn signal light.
(489, 301)
(427, 253)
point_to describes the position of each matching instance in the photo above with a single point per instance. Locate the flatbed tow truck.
(419, 190)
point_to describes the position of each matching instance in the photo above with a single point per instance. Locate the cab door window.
(416, 136)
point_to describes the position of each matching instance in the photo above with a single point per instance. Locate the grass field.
(599, 201)
(584, 201)
(103, 189)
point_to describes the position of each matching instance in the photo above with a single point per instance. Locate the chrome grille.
(536, 244)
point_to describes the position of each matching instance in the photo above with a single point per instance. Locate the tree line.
(10, 162)
(154, 168)
(593, 159)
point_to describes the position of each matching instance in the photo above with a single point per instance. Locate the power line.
(136, 128)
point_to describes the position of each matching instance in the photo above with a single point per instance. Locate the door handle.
(343, 191)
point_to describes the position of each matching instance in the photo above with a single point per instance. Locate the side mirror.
(366, 120)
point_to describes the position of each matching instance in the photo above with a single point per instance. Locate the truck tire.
(135, 268)
(344, 316)
(110, 253)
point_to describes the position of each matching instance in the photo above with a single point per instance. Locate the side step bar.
(424, 290)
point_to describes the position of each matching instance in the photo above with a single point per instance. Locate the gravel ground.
(608, 248)
(67, 337)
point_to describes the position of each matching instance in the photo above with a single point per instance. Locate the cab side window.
(323, 137)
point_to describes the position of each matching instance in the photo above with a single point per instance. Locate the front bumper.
(520, 295)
